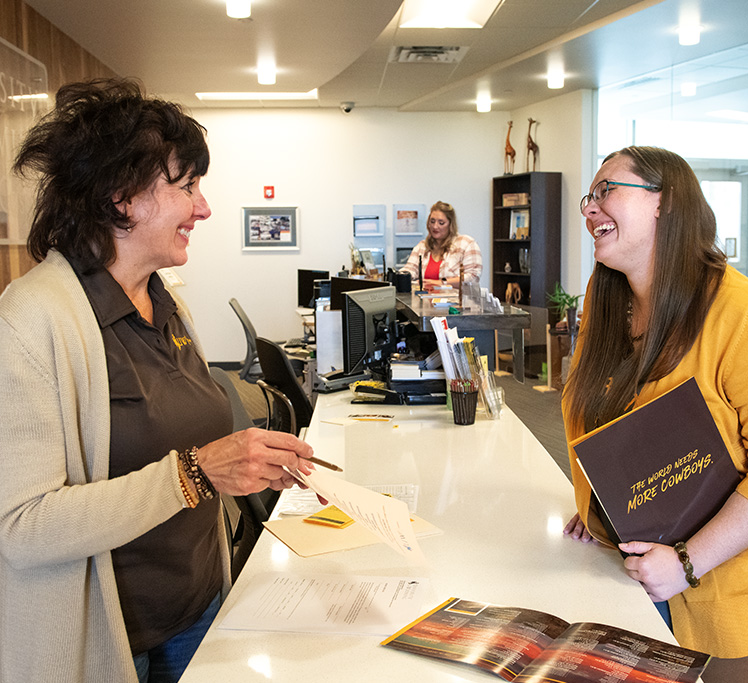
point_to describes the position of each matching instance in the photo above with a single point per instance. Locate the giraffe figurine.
(532, 148)
(509, 153)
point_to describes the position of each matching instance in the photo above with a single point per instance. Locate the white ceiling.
(343, 48)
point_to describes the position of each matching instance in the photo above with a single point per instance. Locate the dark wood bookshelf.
(543, 243)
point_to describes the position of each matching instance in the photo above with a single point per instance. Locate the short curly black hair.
(103, 143)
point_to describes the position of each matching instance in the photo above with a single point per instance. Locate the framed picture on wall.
(270, 228)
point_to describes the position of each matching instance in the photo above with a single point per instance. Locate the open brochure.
(662, 470)
(527, 646)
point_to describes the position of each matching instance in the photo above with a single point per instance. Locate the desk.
(501, 502)
(419, 311)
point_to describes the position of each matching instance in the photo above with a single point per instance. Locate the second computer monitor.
(306, 280)
(369, 329)
(341, 285)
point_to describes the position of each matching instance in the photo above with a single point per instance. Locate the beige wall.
(324, 162)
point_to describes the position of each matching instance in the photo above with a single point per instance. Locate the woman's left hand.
(656, 567)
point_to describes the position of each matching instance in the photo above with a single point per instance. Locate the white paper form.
(328, 603)
(387, 518)
(296, 501)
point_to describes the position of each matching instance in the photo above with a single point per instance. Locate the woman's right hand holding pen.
(252, 460)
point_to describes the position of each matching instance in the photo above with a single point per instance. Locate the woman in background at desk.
(444, 251)
(663, 306)
(114, 439)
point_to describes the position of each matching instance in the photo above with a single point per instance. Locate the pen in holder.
(464, 400)
(421, 290)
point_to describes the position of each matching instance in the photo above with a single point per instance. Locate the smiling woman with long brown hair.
(663, 306)
(445, 251)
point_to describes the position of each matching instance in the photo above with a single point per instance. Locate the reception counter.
(501, 504)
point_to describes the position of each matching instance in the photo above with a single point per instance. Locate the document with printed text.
(386, 517)
(328, 603)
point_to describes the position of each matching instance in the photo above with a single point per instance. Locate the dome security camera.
(347, 107)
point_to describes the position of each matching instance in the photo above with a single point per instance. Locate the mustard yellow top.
(714, 617)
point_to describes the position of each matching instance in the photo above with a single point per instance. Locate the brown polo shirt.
(162, 397)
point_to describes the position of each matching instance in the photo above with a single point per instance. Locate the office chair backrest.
(250, 369)
(278, 372)
(238, 411)
(255, 508)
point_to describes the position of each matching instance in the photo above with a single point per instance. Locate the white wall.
(323, 162)
(565, 135)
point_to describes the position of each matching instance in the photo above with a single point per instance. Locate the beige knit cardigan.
(60, 515)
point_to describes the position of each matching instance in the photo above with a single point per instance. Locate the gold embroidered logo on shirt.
(179, 342)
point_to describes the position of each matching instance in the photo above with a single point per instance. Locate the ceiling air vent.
(427, 54)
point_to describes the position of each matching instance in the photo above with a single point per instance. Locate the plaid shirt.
(464, 251)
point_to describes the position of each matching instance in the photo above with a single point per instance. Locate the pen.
(324, 463)
(318, 461)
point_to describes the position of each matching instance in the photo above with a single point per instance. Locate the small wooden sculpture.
(532, 148)
(509, 153)
(513, 293)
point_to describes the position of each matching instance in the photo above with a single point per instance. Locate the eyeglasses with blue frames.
(600, 192)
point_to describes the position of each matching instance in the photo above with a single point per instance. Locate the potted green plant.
(562, 303)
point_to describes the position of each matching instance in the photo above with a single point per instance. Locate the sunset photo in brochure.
(528, 646)
(662, 470)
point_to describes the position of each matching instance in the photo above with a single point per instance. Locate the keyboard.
(296, 342)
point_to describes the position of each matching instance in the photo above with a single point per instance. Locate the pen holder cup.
(464, 404)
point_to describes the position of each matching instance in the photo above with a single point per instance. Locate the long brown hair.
(449, 212)
(688, 267)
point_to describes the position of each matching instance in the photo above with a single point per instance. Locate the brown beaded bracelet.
(192, 469)
(685, 560)
(188, 497)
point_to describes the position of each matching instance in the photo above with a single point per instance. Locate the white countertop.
(501, 503)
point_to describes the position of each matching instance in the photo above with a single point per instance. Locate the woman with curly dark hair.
(114, 440)
(663, 306)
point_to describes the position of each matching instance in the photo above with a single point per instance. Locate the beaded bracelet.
(188, 497)
(685, 560)
(192, 469)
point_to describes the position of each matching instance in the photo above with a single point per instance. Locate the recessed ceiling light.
(266, 72)
(267, 96)
(239, 9)
(34, 96)
(689, 34)
(556, 80)
(483, 102)
(447, 13)
(688, 89)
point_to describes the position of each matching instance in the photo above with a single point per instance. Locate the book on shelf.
(519, 224)
(525, 646)
(661, 471)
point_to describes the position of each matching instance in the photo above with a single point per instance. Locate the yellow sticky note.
(330, 516)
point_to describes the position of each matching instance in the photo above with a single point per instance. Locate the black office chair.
(255, 508)
(251, 370)
(283, 392)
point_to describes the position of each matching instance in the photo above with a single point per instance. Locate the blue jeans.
(165, 663)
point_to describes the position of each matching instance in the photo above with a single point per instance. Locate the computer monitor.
(305, 279)
(369, 329)
(340, 285)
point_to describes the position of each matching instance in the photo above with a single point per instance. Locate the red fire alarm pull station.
(269, 191)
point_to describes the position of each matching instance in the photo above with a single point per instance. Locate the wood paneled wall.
(66, 61)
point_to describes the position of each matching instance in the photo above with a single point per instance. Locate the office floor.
(541, 412)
